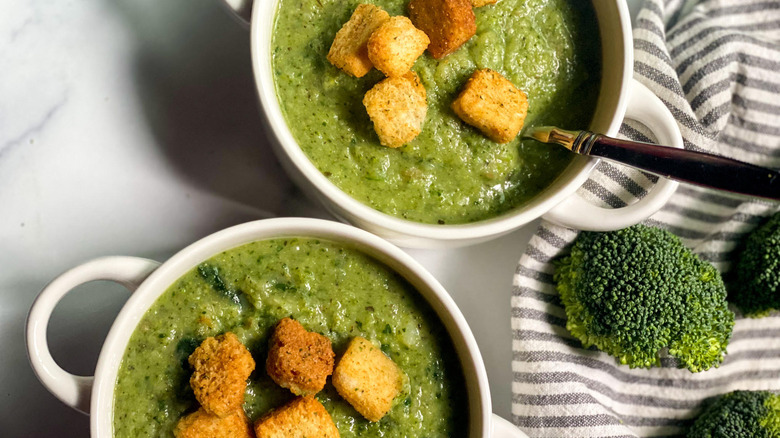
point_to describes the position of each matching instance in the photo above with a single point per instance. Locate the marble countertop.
(132, 128)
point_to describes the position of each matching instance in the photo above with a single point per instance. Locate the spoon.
(698, 168)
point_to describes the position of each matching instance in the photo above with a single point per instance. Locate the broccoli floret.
(637, 291)
(757, 287)
(740, 414)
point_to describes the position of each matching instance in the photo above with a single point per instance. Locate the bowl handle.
(74, 390)
(241, 9)
(576, 212)
(500, 428)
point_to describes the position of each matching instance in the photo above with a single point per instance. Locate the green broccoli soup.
(330, 289)
(451, 173)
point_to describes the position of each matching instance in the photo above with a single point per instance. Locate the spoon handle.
(691, 167)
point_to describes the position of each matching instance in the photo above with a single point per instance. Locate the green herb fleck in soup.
(451, 173)
(330, 289)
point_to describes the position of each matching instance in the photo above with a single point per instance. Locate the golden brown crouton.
(298, 359)
(395, 45)
(397, 106)
(222, 365)
(349, 50)
(201, 424)
(480, 3)
(492, 104)
(304, 417)
(448, 23)
(367, 379)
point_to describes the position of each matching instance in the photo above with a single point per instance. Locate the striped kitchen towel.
(716, 65)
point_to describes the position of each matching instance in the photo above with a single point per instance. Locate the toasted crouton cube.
(304, 417)
(201, 424)
(492, 104)
(222, 365)
(349, 50)
(397, 106)
(367, 379)
(448, 23)
(480, 3)
(395, 45)
(298, 359)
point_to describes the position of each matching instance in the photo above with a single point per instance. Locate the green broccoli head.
(740, 414)
(757, 288)
(636, 291)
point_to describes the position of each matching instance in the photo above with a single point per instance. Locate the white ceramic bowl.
(148, 280)
(620, 97)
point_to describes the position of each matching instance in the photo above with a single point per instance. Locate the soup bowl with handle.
(148, 280)
(620, 97)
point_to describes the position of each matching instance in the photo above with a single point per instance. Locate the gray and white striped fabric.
(716, 65)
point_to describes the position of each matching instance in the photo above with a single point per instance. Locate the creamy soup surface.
(331, 289)
(451, 173)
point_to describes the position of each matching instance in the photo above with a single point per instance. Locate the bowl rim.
(578, 171)
(112, 352)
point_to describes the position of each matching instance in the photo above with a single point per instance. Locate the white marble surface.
(131, 127)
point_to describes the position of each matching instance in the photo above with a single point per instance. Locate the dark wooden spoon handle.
(697, 168)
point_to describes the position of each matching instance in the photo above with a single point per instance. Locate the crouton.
(480, 3)
(301, 418)
(222, 365)
(395, 45)
(492, 104)
(349, 50)
(397, 106)
(367, 379)
(448, 23)
(202, 424)
(297, 359)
